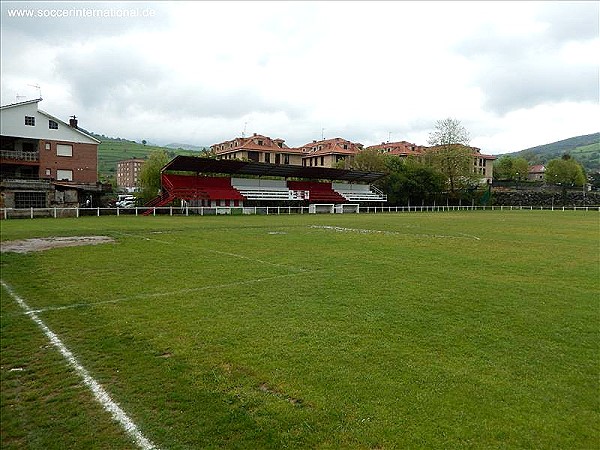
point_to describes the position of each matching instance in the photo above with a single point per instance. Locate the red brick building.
(43, 157)
(128, 172)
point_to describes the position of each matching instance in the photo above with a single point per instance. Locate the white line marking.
(256, 260)
(161, 294)
(99, 392)
(358, 230)
(219, 252)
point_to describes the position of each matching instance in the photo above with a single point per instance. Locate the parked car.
(126, 201)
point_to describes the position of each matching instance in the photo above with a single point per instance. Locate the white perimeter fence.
(31, 213)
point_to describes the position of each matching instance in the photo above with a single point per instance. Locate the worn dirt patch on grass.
(40, 244)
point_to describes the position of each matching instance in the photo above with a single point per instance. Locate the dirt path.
(39, 244)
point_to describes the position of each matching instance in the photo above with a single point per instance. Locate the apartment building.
(128, 172)
(482, 164)
(257, 148)
(402, 148)
(328, 152)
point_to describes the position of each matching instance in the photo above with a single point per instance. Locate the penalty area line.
(101, 395)
(396, 233)
(30, 311)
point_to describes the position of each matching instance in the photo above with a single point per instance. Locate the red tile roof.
(336, 146)
(257, 142)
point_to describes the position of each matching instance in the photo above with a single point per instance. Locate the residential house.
(536, 173)
(45, 161)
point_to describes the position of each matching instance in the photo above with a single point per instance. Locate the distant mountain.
(585, 149)
(179, 146)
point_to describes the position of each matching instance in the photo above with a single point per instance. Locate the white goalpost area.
(344, 208)
(332, 208)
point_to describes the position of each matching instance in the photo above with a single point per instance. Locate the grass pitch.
(418, 330)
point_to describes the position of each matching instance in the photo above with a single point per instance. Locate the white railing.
(20, 155)
(31, 213)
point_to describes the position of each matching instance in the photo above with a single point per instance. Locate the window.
(30, 199)
(48, 172)
(322, 160)
(267, 157)
(52, 125)
(64, 150)
(64, 175)
(29, 120)
(286, 159)
(48, 146)
(277, 158)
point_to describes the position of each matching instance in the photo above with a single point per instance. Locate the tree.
(565, 172)
(149, 178)
(450, 154)
(409, 181)
(510, 168)
(369, 160)
(449, 132)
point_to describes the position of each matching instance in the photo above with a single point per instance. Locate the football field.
(473, 329)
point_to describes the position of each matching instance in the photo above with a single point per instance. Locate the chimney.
(73, 121)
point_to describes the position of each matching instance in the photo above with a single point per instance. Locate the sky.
(515, 74)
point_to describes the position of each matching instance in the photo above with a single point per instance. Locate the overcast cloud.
(516, 74)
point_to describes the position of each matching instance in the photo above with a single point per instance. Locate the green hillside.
(585, 149)
(110, 151)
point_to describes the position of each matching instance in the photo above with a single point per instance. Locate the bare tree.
(450, 153)
(449, 132)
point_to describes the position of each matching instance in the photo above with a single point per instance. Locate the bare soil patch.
(40, 244)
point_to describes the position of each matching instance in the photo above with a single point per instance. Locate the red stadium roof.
(234, 167)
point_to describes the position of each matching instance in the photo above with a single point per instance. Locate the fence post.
(55, 212)
(98, 212)
(32, 213)
(171, 210)
(117, 211)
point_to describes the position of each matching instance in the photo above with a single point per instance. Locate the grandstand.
(215, 183)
